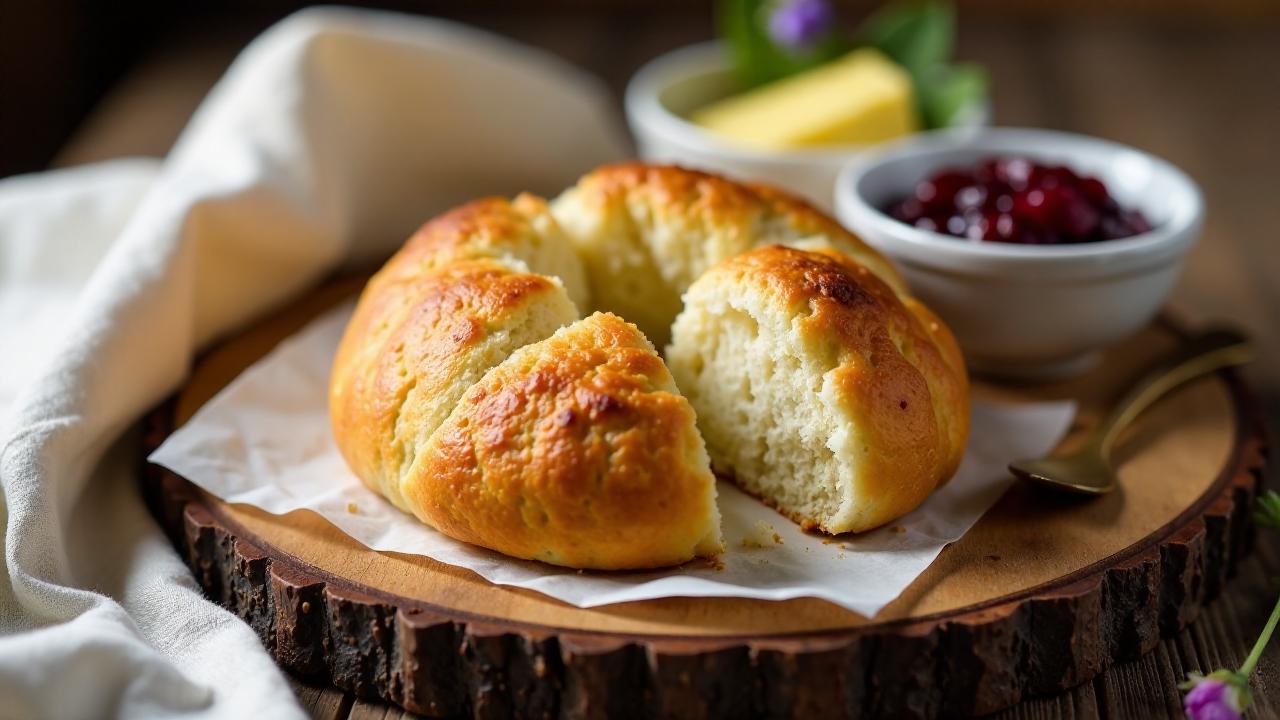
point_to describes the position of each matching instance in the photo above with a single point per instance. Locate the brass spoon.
(1087, 470)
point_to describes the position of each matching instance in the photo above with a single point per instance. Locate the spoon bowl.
(1088, 470)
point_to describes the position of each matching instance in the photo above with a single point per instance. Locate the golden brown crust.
(668, 189)
(475, 229)
(408, 343)
(515, 231)
(577, 451)
(803, 218)
(454, 304)
(454, 395)
(950, 389)
(901, 381)
(760, 214)
(647, 232)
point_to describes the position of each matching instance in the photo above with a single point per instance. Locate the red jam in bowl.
(1017, 200)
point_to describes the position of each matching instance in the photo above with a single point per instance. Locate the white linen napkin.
(330, 138)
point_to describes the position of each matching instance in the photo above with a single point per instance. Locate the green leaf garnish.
(1267, 512)
(756, 59)
(919, 35)
(947, 91)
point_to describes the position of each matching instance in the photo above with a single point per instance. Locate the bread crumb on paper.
(762, 535)
(897, 529)
(351, 508)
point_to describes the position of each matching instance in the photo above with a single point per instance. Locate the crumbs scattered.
(897, 529)
(761, 535)
(715, 563)
(351, 508)
(838, 542)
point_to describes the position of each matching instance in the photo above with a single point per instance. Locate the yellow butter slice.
(863, 97)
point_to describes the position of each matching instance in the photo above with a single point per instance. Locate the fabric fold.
(329, 139)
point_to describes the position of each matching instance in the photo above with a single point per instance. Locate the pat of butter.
(860, 98)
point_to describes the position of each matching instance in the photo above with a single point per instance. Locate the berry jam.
(1016, 200)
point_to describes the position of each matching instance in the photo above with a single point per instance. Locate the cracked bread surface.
(818, 389)
(471, 295)
(577, 450)
(471, 392)
(647, 232)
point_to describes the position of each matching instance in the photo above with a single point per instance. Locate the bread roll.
(646, 232)
(521, 232)
(468, 302)
(578, 451)
(818, 389)
(469, 392)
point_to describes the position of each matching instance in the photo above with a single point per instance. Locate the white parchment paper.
(265, 441)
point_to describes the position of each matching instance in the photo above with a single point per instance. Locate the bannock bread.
(577, 450)
(820, 390)
(471, 391)
(472, 305)
(646, 232)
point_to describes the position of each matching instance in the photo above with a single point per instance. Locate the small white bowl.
(1030, 311)
(661, 95)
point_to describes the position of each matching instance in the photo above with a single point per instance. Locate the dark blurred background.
(127, 74)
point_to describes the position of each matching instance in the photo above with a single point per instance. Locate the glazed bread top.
(849, 404)
(578, 451)
(646, 232)
(453, 395)
(521, 230)
(470, 391)
(416, 343)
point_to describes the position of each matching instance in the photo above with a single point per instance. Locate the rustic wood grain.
(366, 710)
(1229, 624)
(323, 702)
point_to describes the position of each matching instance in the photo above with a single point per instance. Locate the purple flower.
(1224, 694)
(797, 24)
(1212, 698)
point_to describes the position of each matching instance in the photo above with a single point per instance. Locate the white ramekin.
(1033, 311)
(664, 91)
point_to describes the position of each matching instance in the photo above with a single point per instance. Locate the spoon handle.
(1202, 354)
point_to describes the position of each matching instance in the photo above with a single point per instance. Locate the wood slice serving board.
(1041, 595)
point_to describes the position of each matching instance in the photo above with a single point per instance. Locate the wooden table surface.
(1206, 97)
